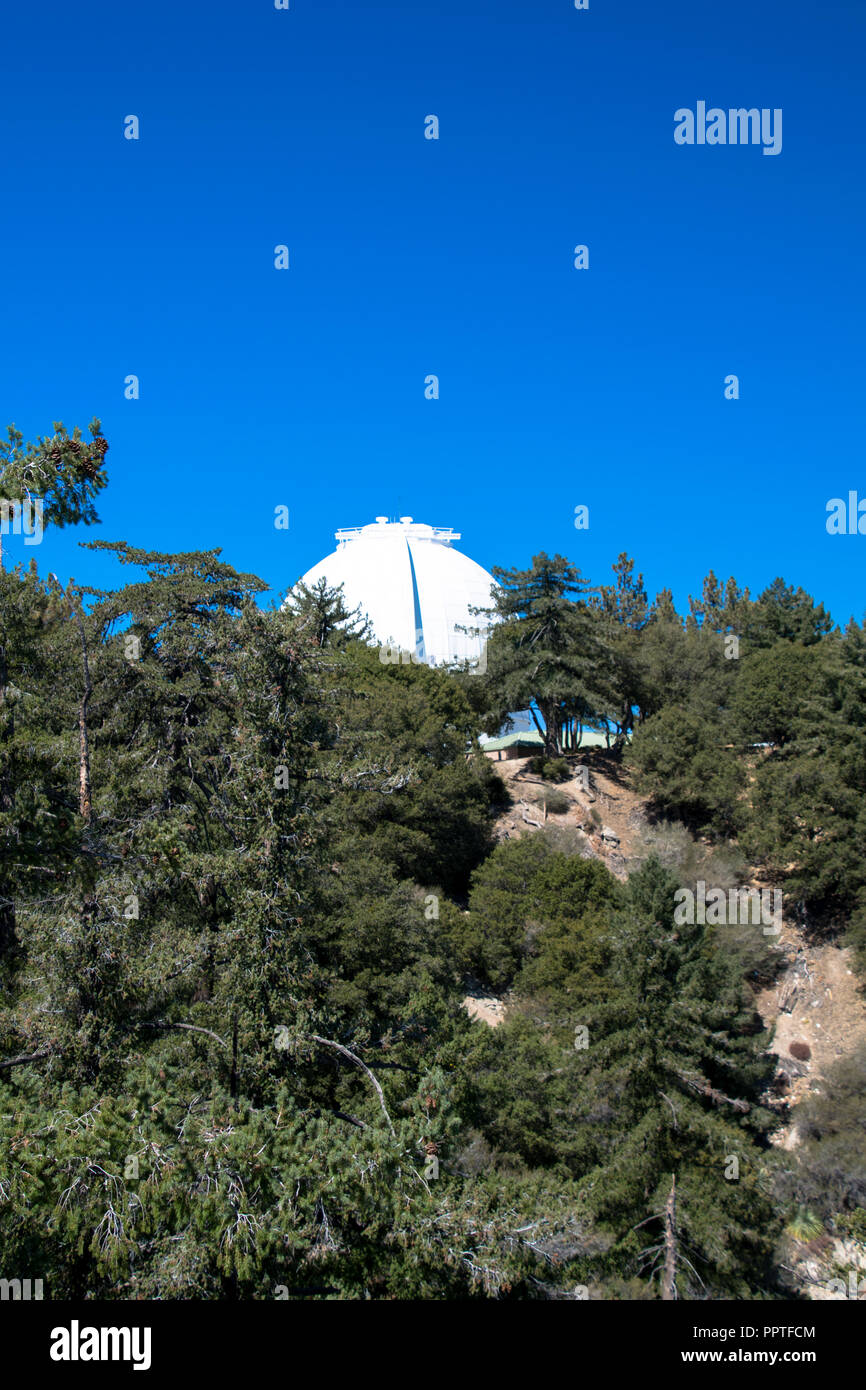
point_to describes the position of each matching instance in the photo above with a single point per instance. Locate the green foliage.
(414, 790)
(552, 800)
(855, 935)
(673, 1072)
(547, 647)
(551, 769)
(626, 612)
(238, 850)
(322, 618)
(804, 1225)
(523, 898)
(681, 762)
(62, 469)
(808, 815)
(666, 1082)
(785, 614)
(218, 963)
(774, 694)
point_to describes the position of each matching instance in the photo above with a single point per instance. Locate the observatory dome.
(413, 586)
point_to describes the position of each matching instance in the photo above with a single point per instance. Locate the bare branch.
(338, 1047)
(717, 1097)
(26, 1057)
(188, 1027)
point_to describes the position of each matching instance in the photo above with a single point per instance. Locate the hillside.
(814, 1006)
(814, 1000)
(258, 882)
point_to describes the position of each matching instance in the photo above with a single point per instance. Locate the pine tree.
(62, 471)
(626, 608)
(61, 474)
(321, 615)
(673, 1074)
(546, 652)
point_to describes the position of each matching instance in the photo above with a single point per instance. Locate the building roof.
(528, 736)
(590, 738)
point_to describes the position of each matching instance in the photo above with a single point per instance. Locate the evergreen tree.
(783, 613)
(627, 610)
(546, 652)
(61, 474)
(63, 471)
(673, 1073)
(322, 616)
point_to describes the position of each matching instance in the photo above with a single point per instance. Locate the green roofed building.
(526, 742)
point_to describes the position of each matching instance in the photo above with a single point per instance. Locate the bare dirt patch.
(816, 1007)
(607, 819)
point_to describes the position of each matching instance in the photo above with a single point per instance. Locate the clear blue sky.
(453, 257)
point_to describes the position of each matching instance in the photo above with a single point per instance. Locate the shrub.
(556, 770)
(681, 761)
(518, 895)
(804, 1225)
(855, 936)
(828, 1168)
(724, 866)
(555, 801)
(551, 769)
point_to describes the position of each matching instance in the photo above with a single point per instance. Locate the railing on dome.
(445, 534)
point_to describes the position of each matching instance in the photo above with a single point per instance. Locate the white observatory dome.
(414, 588)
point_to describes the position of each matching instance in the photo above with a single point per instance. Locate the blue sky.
(410, 256)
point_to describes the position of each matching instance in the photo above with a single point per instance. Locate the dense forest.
(248, 866)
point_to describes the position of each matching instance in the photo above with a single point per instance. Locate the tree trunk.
(535, 721)
(233, 1085)
(84, 798)
(552, 747)
(669, 1280)
(8, 936)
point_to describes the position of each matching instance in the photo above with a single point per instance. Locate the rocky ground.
(605, 815)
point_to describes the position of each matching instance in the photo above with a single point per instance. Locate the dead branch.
(26, 1057)
(338, 1047)
(187, 1027)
